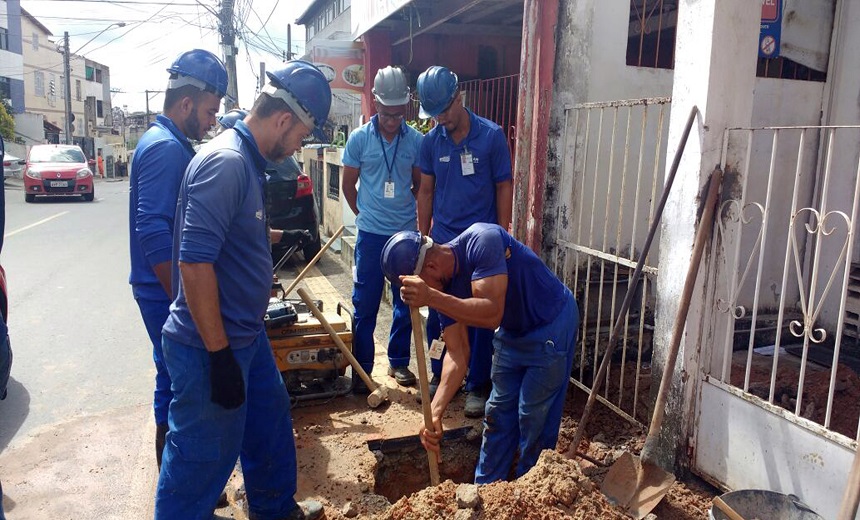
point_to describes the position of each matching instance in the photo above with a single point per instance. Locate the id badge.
(436, 349)
(388, 192)
(466, 164)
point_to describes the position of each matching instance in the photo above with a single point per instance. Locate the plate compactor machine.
(311, 363)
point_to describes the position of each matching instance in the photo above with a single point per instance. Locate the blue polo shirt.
(461, 200)
(157, 167)
(221, 220)
(367, 150)
(534, 296)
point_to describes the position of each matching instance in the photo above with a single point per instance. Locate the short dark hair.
(174, 95)
(267, 105)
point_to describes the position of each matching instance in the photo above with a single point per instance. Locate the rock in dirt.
(464, 514)
(467, 496)
(349, 510)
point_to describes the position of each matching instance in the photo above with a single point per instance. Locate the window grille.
(333, 181)
(651, 43)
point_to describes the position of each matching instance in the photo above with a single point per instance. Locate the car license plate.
(59, 184)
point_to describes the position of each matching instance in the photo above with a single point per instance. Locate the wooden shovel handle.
(726, 509)
(424, 387)
(703, 234)
(313, 261)
(356, 366)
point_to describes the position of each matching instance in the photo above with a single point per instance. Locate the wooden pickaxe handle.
(424, 387)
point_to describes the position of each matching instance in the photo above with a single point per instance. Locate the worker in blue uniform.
(485, 278)
(229, 398)
(380, 182)
(465, 178)
(198, 81)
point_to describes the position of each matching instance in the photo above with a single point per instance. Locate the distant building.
(12, 71)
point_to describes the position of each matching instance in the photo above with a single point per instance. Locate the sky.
(156, 31)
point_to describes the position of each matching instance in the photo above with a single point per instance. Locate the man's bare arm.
(484, 309)
(504, 203)
(349, 187)
(425, 202)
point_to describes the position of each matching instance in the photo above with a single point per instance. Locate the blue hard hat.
(436, 88)
(229, 119)
(309, 93)
(202, 66)
(403, 254)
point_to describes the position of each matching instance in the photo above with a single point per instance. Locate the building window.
(333, 181)
(98, 75)
(35, 41)
(39, 83)
(5, 91)
(4, 39)
(90, 73)
(99, 109)
(78, 89)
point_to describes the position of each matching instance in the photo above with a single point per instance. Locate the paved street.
(79, 395)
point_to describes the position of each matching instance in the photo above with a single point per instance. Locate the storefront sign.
(342, 62)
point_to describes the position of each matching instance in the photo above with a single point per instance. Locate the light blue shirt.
(369, 152)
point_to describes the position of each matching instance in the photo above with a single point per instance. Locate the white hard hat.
(390, 88)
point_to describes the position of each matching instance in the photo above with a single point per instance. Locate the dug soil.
(367, 463)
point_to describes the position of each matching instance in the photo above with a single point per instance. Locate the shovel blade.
(636, 486)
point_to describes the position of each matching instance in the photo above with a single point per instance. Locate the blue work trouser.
(205, 439)
(530, 377)
(480, 352)
(154, 313)
(366, 295)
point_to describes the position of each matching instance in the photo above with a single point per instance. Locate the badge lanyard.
(385, 155)
(389, 186)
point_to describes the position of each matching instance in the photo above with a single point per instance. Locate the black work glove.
(291, 237)
(228, 387)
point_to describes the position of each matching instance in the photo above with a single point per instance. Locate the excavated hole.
(402, 467)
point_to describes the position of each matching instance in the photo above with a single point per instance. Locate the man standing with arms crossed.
(383, 155)
(198, 81)
(465, 178)
(229, 398)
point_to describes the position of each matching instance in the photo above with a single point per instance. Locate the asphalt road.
(76, 427)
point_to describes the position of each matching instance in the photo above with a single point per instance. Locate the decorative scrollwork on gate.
(818, 226)
(734, 213)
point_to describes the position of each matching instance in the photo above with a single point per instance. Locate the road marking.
(34, 224)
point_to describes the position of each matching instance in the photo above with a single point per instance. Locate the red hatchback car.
(57, 170)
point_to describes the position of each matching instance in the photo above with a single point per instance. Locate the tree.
(7, 124)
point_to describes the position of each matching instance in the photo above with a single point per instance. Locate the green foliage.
(422, 126)
(7, 124)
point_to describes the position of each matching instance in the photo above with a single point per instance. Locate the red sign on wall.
(770, 10)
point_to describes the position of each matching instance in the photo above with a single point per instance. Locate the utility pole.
(147, 107)
(289, 42)
(228, 40)
(67, 70)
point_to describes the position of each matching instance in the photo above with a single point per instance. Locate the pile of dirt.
(555, 488)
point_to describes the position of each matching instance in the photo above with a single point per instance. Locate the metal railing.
(784, 287)
(612, 164)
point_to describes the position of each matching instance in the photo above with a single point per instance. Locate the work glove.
(228, 386)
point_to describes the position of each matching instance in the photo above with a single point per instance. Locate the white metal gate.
(613, 164)
(779, 403)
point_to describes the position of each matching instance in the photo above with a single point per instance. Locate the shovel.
(637, 484)
(424, 387)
